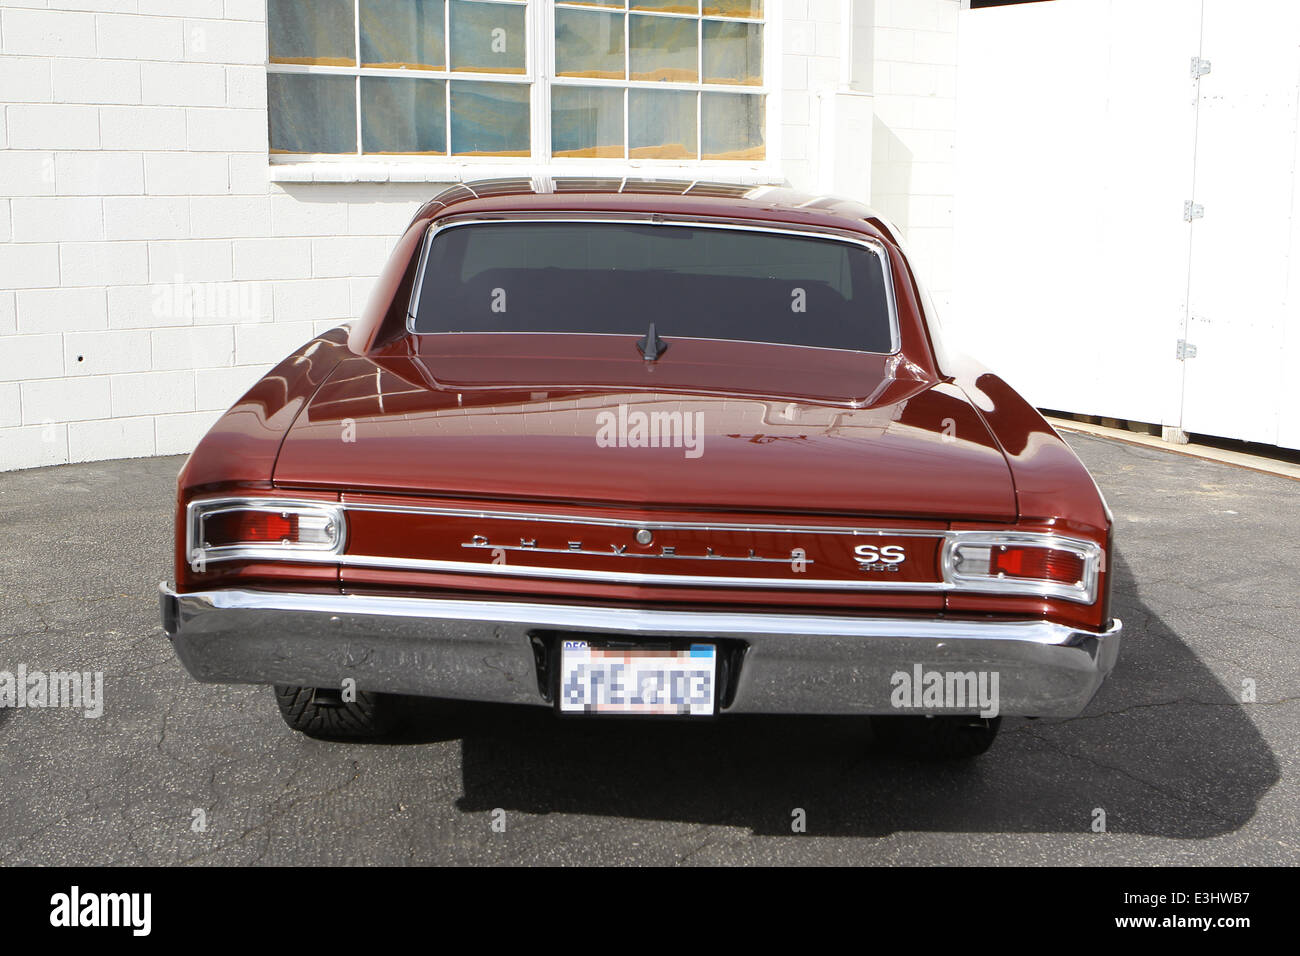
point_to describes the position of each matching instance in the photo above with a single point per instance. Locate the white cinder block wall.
(151, 270)
(914, 96)
(903, 53)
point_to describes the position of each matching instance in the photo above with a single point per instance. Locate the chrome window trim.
(418, 284)
(876, 247)
(952, 580)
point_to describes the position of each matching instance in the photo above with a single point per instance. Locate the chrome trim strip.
(876, 247)
(573, 574)
(651, 523)
(661, 556)
(635, 577)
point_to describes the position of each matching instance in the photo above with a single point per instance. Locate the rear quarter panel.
(1054, 491)
(238, 453)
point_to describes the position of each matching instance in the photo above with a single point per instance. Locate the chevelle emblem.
(621, 551)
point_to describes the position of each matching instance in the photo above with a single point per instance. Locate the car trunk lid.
(723, 427)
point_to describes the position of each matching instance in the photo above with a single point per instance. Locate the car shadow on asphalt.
(1163, 750)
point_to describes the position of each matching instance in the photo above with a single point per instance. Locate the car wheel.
(323, 713)
(946, 737)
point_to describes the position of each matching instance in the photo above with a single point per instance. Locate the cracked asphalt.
(1185, 771)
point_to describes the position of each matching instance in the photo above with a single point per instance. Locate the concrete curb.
(1269, 466)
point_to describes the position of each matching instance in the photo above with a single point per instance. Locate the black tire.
(944, 737)
(322, 713)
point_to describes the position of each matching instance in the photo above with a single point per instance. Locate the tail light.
(229, 529)
(1045, 564)
(1023, 563)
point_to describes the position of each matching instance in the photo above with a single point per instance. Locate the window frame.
(874, 246)
(539, 76)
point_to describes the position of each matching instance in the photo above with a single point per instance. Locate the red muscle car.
(644, 448)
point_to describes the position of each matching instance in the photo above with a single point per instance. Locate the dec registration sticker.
(637, 680)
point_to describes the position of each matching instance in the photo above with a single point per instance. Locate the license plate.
(637, 680)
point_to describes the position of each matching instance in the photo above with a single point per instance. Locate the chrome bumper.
(489, 651)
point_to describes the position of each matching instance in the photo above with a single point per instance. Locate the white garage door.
(1081, 133)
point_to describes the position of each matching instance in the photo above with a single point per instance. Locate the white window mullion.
(699, 45)
(699, 81)
(771, 67)
(541, 60)
(627, 78)
(446, 65)
(356, 82)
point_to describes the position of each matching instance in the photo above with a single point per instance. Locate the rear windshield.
(691, 281)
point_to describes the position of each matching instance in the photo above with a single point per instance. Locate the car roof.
(668, 196)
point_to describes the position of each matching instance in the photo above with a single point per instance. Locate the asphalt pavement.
(1184, 770)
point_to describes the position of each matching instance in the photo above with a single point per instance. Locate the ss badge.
(872, 557)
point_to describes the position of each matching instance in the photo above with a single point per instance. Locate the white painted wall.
(870, 112)
(913, 138)
(134, 179)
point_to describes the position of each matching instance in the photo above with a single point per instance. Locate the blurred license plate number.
(623, 680)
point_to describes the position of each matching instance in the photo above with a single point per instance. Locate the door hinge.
(1185, 350)
(1192, 210)
(1199, 67)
